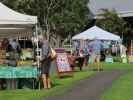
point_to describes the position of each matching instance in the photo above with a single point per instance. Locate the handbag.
(53, 54)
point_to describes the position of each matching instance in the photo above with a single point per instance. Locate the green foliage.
(22, 6)
(113, 23)
(72, 18)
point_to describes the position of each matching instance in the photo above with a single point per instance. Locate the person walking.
(45, 61)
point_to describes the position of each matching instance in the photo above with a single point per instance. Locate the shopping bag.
(53, 54)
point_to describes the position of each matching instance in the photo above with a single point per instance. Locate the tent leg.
(38, 60)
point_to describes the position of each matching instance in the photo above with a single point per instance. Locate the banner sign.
(62, 63)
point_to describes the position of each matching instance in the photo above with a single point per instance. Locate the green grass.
(110, 66)
(122, 89)
(60, 86)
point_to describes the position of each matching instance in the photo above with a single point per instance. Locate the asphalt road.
(91, 88)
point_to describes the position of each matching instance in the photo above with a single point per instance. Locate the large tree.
(111, 22)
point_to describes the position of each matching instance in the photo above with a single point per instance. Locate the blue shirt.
(96, 46)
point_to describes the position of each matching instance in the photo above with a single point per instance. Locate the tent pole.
(37, 49)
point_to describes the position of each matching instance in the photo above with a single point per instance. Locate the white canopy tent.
(9, 16)
(96, 33)
(15, 24)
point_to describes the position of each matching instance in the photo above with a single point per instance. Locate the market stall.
(14, 25)
(94, 33)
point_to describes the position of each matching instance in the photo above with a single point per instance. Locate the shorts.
(95, 57)
(45, 67)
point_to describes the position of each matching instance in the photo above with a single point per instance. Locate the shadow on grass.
(55, 85)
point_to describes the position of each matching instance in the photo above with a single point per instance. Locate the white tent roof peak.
(96, 32)
(9, 16)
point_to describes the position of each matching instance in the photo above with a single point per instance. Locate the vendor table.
(18, 72)
(11, 74)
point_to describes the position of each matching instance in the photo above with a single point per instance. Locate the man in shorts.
(96, 46)
(45, 61)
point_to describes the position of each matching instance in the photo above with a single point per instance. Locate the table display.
(18, 72)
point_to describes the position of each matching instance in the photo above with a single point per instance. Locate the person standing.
(96, 46)
(16, 48)
(45, 61)
(71, 60)
(86, 54)
(14, 51)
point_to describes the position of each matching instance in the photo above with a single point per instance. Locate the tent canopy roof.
(15, 24)
(123, 8)
(96, 33)
(9, 16)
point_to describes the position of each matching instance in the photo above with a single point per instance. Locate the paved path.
(91, 88)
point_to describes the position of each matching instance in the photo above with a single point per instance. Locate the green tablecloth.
(18, 72)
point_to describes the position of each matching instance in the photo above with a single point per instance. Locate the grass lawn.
(109, 66)
(117, 66)
(60, 86)
(122, 89)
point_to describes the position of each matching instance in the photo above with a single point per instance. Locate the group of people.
(91, 51)
(12, 51)
(95, 50)
(45, 62)
(10, 54)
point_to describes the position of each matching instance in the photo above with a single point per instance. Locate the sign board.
(63, 66)
(109, 60)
